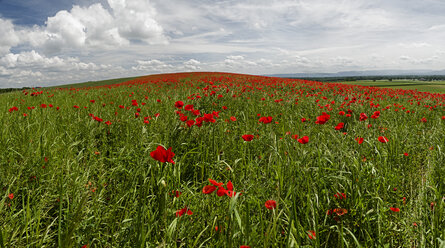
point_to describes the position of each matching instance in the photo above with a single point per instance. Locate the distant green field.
(429, 86)
(96, 83)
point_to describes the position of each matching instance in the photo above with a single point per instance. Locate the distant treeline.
(5, 90)
(389, 78)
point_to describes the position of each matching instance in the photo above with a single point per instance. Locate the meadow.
(222, 160)
(423, 86)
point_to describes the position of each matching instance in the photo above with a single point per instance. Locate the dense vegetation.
(6, 90)
(222, 160)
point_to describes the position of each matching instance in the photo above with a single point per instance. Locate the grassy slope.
(428, 86)
(96, 83)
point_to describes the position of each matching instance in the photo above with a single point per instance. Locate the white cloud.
(340, 60)
(301, 60)
(5, 72)
(192, 65)
(153, 65)
(414, 45)
(99, 26)
(135, 20)
(91, 27)
(32, 68)
(418, 61)
(33, 59)
(234, 60)
(344, 14)
(64, 29)
(9, 36)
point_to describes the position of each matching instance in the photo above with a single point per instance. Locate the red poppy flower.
(229, 190)
(265, 119)
(340, 196)
(383, 139)
(295, 136)
(176, 193)
(311, 234)
(209, 118)
(215, 183)
(232, 118)
(208, 189)
(423, 119)
(359, 140)
(323, 118)
(244, 246)
(304, 140)
(221, 191)
(340, 211)
(98, 119)
(247, 137)
(270, 204)
(190, 123)
(406, 154)
(163, 155)
(182, 211)
(395, 209)
(14, 109)
(432, 204)
(375, 115)
(198, 121)
(179, 104)
(188, 107)
(339, 126)
(363, 117)
(196, 112)
(11, 196)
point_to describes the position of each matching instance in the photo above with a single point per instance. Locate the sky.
(51, 42)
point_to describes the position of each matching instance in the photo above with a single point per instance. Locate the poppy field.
(222, 160)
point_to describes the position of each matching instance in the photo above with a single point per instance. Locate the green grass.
(76, 180)
(95, 83)
(424, 86)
